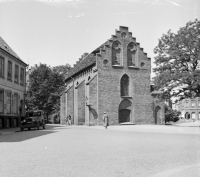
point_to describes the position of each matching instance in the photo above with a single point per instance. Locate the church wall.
(93, 111)
(81, 103)
(109, 77)
(70, 104)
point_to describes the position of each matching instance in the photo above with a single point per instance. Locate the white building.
(12, 87)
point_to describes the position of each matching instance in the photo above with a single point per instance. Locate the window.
(193, 115)
(131, 54)
(1, 66)
(16, 74)
(1, 101)
(9, 70)
(15, 122)
(15, 106)
(8, 103)
(116, 53)
(193, 104)
(187, 104)
(125, 85)
(22, 76)
(8, 122)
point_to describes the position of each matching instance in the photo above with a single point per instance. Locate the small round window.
(105, 62)
(123, 35)
(142, 64)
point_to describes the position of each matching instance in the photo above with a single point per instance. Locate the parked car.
(33, 119)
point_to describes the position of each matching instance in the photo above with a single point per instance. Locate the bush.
(171, 115)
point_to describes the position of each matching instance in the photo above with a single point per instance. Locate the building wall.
(62, 109)
(70, 103)
(93, 108)
(109, 77)
(81, 103)
(189, 106)
(17, 91)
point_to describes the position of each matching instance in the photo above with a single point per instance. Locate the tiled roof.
(88, 61)
(5, 47)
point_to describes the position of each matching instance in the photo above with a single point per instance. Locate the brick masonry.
(70, 103)
(81, 104)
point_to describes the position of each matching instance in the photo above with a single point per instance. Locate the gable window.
(16, 73)
(9, 70)
(1, 101)
(116, 53)
(22, 76)
(1, 66)
(131, 54)
(125, 85)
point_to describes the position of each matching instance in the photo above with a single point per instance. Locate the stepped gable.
(5, 47)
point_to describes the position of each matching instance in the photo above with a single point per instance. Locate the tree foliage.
(45, 86)
(177, 62)
(171, 115)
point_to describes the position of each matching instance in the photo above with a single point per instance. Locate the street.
(119, 151)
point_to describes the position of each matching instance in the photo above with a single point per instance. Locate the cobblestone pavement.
(119, 151)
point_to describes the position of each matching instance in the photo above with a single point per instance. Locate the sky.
(58, 32)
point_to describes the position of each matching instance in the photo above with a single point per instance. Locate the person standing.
(105, 120)
(69, 120)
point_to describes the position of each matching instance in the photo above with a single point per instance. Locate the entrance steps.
(127, 123)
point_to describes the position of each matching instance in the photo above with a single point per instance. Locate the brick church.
(114, 78)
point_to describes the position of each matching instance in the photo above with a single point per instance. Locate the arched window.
(116, 53)
(125, 85)
(131, 54)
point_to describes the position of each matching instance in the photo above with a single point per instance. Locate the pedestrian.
(105, 120)
(69, 120)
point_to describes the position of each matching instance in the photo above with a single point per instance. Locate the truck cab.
(33, 119)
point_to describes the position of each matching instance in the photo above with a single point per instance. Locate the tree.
(62, 69)
(177, 62)
(44, 90)
(171, 115)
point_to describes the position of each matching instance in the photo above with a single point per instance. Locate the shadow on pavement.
(19, 136)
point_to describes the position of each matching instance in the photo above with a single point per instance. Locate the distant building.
(12, 87)
(114, 78)
(189, 108)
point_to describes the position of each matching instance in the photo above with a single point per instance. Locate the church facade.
(114, 78)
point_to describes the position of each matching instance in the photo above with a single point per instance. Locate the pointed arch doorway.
(125, 111)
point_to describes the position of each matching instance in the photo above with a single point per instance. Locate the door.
(157, 114)
(124, 115)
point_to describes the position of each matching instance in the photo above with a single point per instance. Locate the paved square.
(119, 151)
